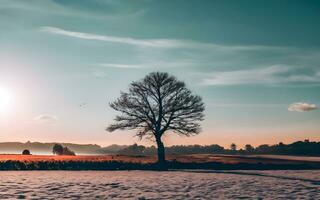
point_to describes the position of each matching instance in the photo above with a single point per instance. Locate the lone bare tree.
(157, 104)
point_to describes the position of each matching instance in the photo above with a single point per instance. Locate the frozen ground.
(160, 185)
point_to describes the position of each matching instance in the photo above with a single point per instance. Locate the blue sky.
(255, 63)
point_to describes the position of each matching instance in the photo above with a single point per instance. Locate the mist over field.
(45, 148)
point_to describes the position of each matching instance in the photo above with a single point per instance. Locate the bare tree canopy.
(156, 104)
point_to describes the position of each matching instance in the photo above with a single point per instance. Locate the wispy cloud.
(244, 105)
(302, 107)
(147, 64)
(46, 118)
(267, 75)
(159, 43)
(114, 39)
(76, 9)
(125, 66)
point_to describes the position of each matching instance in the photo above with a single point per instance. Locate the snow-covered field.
(160, 185)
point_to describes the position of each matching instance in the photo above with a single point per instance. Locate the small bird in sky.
(83, 105)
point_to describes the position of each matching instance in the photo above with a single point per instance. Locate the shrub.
(26, 152)
(58, 149)
(67, 151)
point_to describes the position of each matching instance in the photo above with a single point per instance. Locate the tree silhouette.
(249, 148)
(157, 104)
(57, 149)
(26, 152)
(233, 147)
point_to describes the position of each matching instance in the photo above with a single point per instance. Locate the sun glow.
(5, 99)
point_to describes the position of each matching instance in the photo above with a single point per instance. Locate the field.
(188, 177)
(116, 162)
(198, 158)
(160, 185)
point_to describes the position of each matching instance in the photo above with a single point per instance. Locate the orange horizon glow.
(223, 140)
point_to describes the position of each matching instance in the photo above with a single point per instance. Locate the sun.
(5, 99)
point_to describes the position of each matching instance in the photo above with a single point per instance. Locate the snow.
(160, 185)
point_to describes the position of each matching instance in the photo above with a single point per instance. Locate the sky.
(255, 63)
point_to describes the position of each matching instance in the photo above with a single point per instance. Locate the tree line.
(303, 148)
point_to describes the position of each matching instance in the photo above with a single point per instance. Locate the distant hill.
(112, 149)
(46, 148)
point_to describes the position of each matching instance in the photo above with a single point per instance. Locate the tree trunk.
(161, 152)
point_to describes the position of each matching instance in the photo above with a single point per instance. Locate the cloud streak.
(121, 66)
(302, 107)
(114, 39)
(61, 8)
(276, 74)
(158, 43)
(45, 118)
